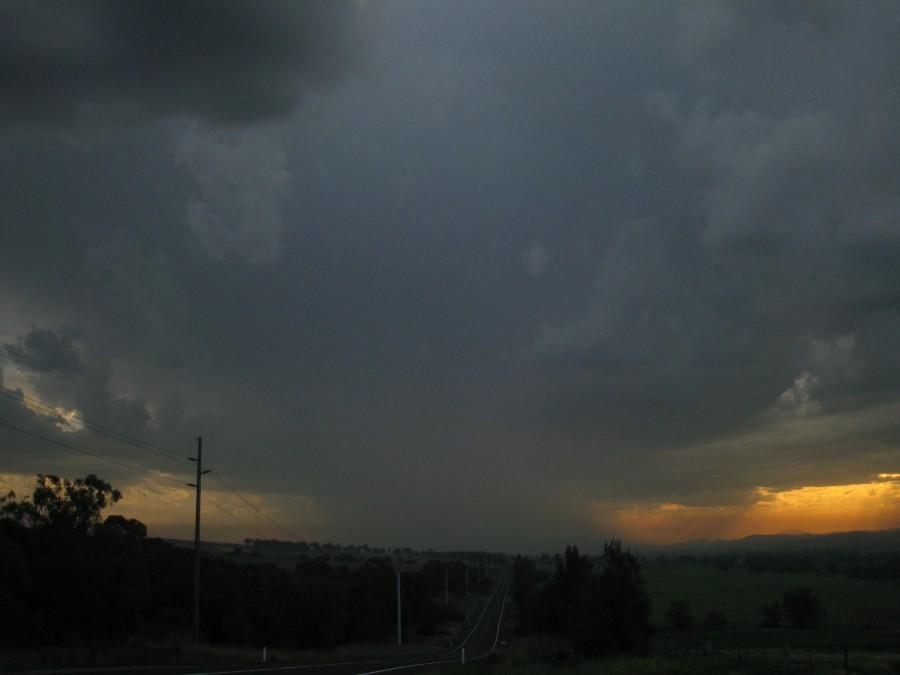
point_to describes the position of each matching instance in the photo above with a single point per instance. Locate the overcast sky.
(477, 274)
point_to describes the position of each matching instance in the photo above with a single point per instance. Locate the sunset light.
(809, 510)
(309, 305)
(499, 274)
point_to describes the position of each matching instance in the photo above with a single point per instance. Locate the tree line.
(68, 575)
(591, 608)
(800, 607)
(584, 609)
(876, 565)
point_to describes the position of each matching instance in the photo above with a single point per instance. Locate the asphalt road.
(478, 644)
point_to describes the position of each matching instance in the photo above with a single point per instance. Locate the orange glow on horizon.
(813, 510)
(167, 509)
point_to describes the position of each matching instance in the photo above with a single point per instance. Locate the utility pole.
(196, 485)
(446, 587)
(399, 624)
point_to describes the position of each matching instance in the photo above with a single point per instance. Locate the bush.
(802, 608)
(771, 615)
(427, 626)
(679, 615)
(715, 620)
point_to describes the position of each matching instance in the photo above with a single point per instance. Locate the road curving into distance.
(479, 643)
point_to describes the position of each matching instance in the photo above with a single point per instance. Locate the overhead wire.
(22, 356)
(150, 472)
(265, 498)
(131, 467)
(26, 359)
(229, 513)
(265, 515)
(128, 440)
(95, 427)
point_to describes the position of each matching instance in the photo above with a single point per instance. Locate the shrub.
(679, 615)
(802, 608)
(427, 626)
(771, 615)
(715, 620)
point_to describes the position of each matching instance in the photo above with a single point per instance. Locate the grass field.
(716, 664)
(850, 603)
(860, 634)
(843, 644)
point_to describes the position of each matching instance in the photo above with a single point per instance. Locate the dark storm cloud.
(46, 351)
(793, 226)
(64, 370)
(231, 61)
(539, 255)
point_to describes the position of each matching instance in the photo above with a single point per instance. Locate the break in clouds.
(509, 260)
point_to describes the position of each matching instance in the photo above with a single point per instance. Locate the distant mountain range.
(861, 540)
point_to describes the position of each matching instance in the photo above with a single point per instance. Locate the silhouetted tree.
(612, 615)
(573, 572)
(802, 608)
(715, 620)
(679, 615)
(87, 578)
(598, 610)
(771, 615)
(61, 504)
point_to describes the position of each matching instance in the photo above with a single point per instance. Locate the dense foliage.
(600, 611)
(68, 575)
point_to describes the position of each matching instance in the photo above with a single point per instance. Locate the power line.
(95, 427)
(264, 499)
(253, 506)
(224, 510)
(24, 357)
(92, 454)
(122, 438)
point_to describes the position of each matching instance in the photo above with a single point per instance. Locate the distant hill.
(859, 540)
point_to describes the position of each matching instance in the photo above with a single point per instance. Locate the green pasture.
(850, 603)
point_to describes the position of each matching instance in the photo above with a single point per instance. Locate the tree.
(573, 571)
(613, 614)
(60, 506)
(679, 615)
(802, 608)
(771, 615)
(87, 579)
(715, 620)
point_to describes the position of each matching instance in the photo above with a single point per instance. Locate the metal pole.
(399, 630)
(200, 472)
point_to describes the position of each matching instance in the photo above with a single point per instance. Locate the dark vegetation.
(588, 608)
(799, 605)
(853, 562)
(69, 576)
(824, 605)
